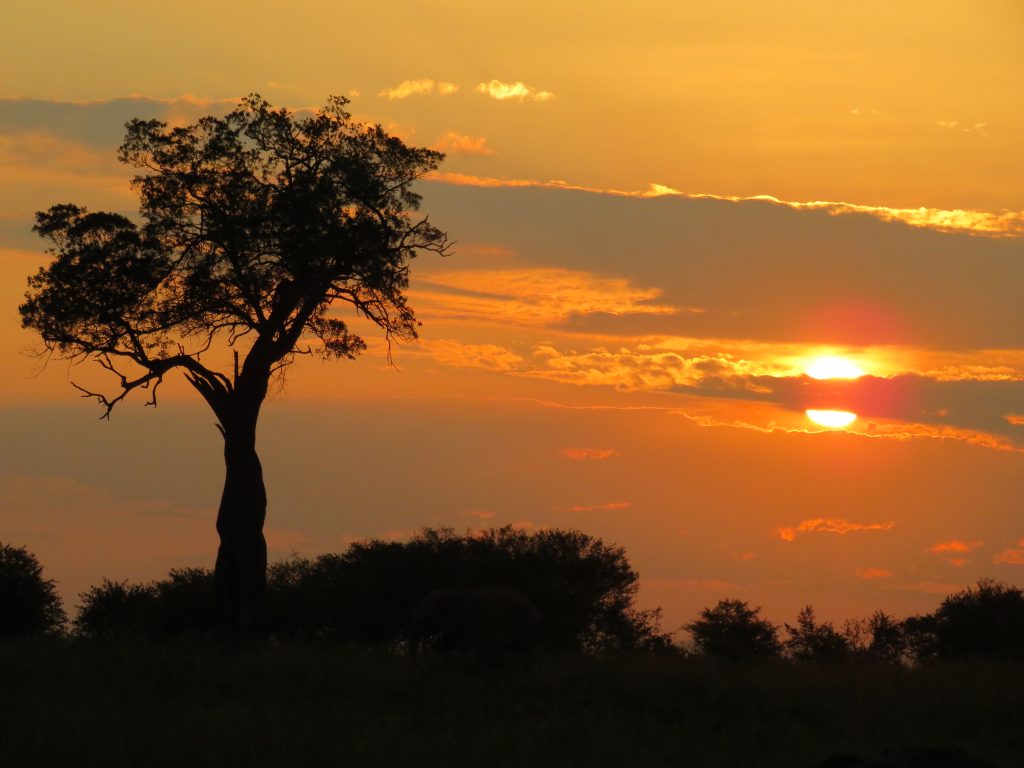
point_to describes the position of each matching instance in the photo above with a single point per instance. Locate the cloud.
(585, 454)
(975, 222)
(496, 89)
(537, 296)
(1011, 556)
(964, 128)
(828, 525)
(955, 546)
(423, 86)
(480, 514)
(870, 574)
(408, 88)
(490, 357)
(611, 505)
(460, 144)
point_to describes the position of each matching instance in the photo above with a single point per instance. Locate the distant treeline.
(583, 591)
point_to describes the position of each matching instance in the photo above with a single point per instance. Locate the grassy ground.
(192, 705)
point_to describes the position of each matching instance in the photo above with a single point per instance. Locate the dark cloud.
(759, 270)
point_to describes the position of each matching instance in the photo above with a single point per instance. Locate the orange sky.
(736, 193)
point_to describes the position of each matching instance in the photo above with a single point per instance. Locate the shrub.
(181, 604)
(29, 604)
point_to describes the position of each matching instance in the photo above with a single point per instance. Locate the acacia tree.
(254, 225)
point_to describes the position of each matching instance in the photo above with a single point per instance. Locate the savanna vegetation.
(139, 675)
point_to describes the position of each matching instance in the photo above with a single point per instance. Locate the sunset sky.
(676, 223)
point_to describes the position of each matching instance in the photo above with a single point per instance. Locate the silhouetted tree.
(253, 226)
(29, 604)
(986, 620)
(735, 631)
(811, 641)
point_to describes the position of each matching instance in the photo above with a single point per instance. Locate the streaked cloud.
(975, 222)
(608, 506)
(537, 296)
(829, 525)
(588, 454)
(518, 91)
(460, 144)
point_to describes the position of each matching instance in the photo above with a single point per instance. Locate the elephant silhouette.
(475, 623)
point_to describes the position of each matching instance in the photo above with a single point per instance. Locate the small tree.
(811, 641)
(254, 227)
(735, 631)
(29, 604)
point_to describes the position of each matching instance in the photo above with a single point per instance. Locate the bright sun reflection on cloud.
(831, 419)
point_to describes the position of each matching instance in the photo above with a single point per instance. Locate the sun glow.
(832, 419)
(833, 368)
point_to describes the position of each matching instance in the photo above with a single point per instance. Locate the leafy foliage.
(254, 225)
(735, 631)
(29, 604)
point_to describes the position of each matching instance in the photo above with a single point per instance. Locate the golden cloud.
(408, 88)
(460, 144)
(584, 454)
(538, 296)
(829, 525)
(489, 357)
(496, 89)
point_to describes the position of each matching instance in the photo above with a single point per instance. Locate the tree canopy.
(254, 224)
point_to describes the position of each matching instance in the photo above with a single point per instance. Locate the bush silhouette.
(29, 604)
(984, 621)
(733, 630)
(181, 604)
(583, 589)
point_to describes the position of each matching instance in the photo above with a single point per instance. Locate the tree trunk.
(240, 576)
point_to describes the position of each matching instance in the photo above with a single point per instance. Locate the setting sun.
(833, 368)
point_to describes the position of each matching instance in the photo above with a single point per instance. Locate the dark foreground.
(86, 704)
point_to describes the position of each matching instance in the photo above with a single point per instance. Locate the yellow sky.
(599, 353)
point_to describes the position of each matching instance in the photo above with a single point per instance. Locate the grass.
(189, 704)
